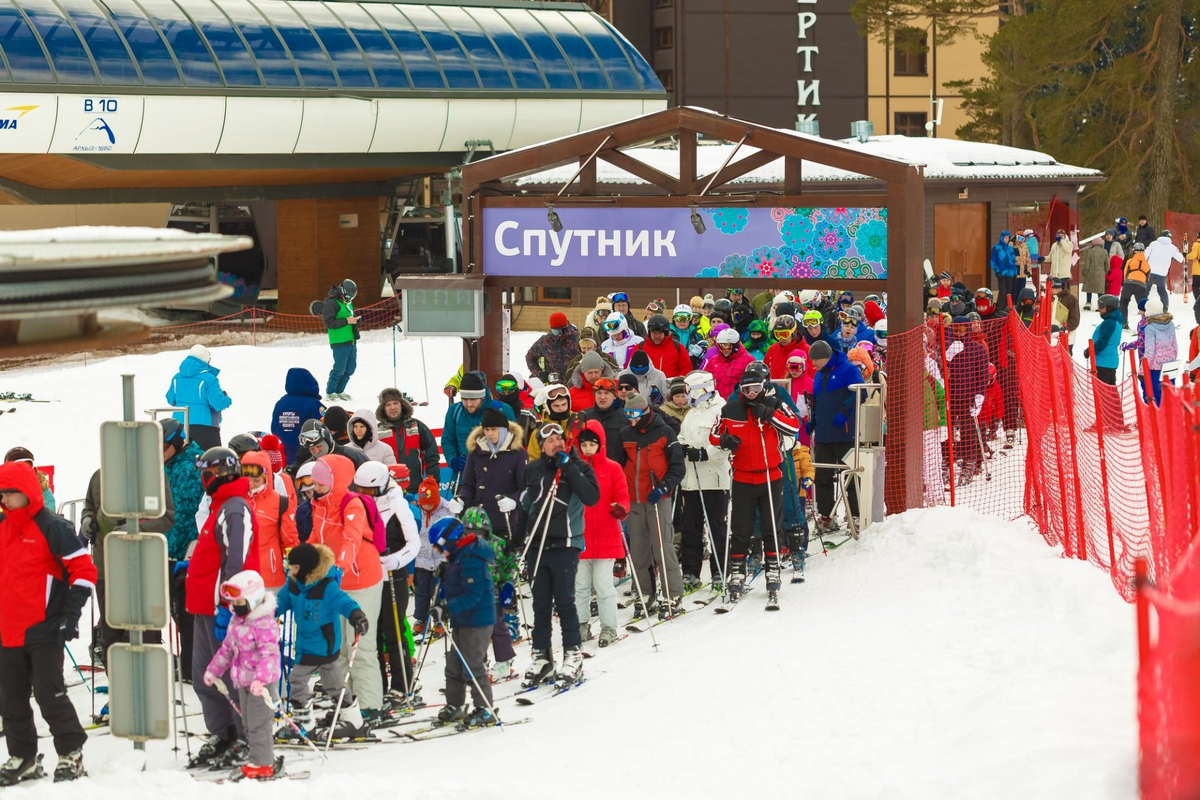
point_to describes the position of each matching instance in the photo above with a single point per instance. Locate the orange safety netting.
(252, 322)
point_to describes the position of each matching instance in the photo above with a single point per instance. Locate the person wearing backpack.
(341, 522)
(276, 528)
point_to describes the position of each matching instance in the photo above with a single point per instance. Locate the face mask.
(242, 611)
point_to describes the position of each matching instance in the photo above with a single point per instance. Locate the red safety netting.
(1185, 230)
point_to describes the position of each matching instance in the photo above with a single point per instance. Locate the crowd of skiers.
(633, 446)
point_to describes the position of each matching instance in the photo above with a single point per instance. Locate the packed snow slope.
(945, 655)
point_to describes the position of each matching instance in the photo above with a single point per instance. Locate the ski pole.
(490, 707)
(712, 543)
(220, 686)
(637, 587)
(337, 710)
(662, 563)
(92, 651)
(987, 473)
(545, 533)
(71, 656)
(520, 598)
(403, 654)
(187, 736)
(762, 434)
(274, 706)
(426, 640)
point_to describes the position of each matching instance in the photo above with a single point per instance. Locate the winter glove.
(696, 351)
(619, 511)
(458, 463)
(506, 505)
(764, 411)
(975, 409)
(391, 562)
(695, 454)
(69, 627)
(359, 621)
(437, 615)
(562, 459)
(954, 349)
(810, 425)
(840, 421)
(1127, 346)
(450, 391)
(656, 494)
(806, 483)
(209, 678)
(456, 504)
(508, 595)
(730, 442)
(221, 624)
(257, 688)
(656, 396)
(88, 528)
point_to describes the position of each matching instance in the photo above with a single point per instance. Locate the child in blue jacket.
(317, 601)
(471, 603)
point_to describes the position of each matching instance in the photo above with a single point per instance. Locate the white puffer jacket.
(697, 425)
(374, 449)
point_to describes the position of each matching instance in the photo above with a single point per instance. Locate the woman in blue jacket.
(1004, 266)
(196, 388)
(471, 603)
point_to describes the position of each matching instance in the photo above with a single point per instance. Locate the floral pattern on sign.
(813, 243)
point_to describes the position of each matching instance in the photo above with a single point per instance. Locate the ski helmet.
(172, 434)
(756, 372)
(372, 478)
(728, 336)
(246, 585)
(348, 289)
(784, 327)
(682, 313)
(659, 323)
(871, 298)
(723, 306)
(881, 333)
(984, 291)
(314, 432)
(701, 386)
(244, 443)
(812, 318)
(218, 466)
(475, 520)
(810, 298)
(445, 532)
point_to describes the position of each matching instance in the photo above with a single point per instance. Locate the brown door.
(960, 242)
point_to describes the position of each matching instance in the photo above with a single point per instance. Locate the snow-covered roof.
(943, 159)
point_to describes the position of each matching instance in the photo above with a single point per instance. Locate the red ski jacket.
(670, 356)
(227, 545)
(761, 450)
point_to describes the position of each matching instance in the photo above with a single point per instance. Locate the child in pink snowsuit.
(251, 649)
(801, 389)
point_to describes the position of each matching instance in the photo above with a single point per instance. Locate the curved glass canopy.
(296, 45)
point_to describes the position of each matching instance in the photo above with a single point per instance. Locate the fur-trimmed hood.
(324, 566)
(265, 609)
(515, 439)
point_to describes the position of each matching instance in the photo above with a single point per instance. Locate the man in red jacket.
(665, 352)
(226, 546)
(753, 427)
(48, 577)
(788, 341)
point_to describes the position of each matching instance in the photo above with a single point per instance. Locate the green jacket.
(335, 312)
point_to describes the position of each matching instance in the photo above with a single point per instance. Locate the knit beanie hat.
(307, 558)
(678, 386)
(820, 349)
(494, 418)
(627, 379)
(588, 435)
(429, 496)
(271, 445)
(336, 419)
(322, 473)
(559, 320)
(635, 402)
(471, 387)
(591, 360)
(640, 363)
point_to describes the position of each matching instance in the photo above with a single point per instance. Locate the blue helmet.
(444, 532)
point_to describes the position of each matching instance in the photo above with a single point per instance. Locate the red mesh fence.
(1185, 230)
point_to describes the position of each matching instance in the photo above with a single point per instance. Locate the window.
(667, 78)
(554, 294)
(911, 52)
(664, 38)
(910, 123)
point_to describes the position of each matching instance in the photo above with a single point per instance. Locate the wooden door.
(960, 242)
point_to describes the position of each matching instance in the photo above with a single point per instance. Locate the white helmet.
(372, 475)
(682, 308)
(881, 334)
(810, 298)
(701, 387)
(728, 336)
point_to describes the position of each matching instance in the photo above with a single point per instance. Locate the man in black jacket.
(556, 539)
(316, 441)
(608, 412)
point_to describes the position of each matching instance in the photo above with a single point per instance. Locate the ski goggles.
(847, 319)
(634, 414)
(550, 429)
(611, 325)
(620, 297)
(794, 367)
(783, 334)
(304, 484)
(685, 318)
(604, 385)
(253, 471)
(557, 393)
(601, 314)
(231, 591)
(506, 387)
(752, 388)
(315, 436)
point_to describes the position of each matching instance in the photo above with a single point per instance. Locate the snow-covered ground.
(1182, 315)
(945, 655)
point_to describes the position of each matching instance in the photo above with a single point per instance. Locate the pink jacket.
(727, 372)
(251, 647)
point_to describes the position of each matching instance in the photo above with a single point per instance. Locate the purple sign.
(844, 243)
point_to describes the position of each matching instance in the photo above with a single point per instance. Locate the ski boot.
(376, 718)
(213, 748)
(513, 623)
(397, 701)
(540, 670)
(350, 724)
(572, 666)
(585, 631)
(737, 577)
(639, 609)
(691, 583)
(18, 769)
(798, 561)
(481, 718)
(607, 636)
(501, 671)
(774, 581)
(236, 754)
(451, 714)
(826, 524)
(668, 609)
(264, 773)
(620, 570)
(593, 609)
(1010, 439)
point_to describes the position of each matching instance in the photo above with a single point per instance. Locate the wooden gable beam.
(739, 168)
(642, 170)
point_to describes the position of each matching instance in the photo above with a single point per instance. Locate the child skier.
(317, 602)
(471, 603)
(250, 652)
(433, 509)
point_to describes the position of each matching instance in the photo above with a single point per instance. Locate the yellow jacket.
(1193, 257)
(803, 461)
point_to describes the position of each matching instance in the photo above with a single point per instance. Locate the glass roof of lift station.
(497, 48)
